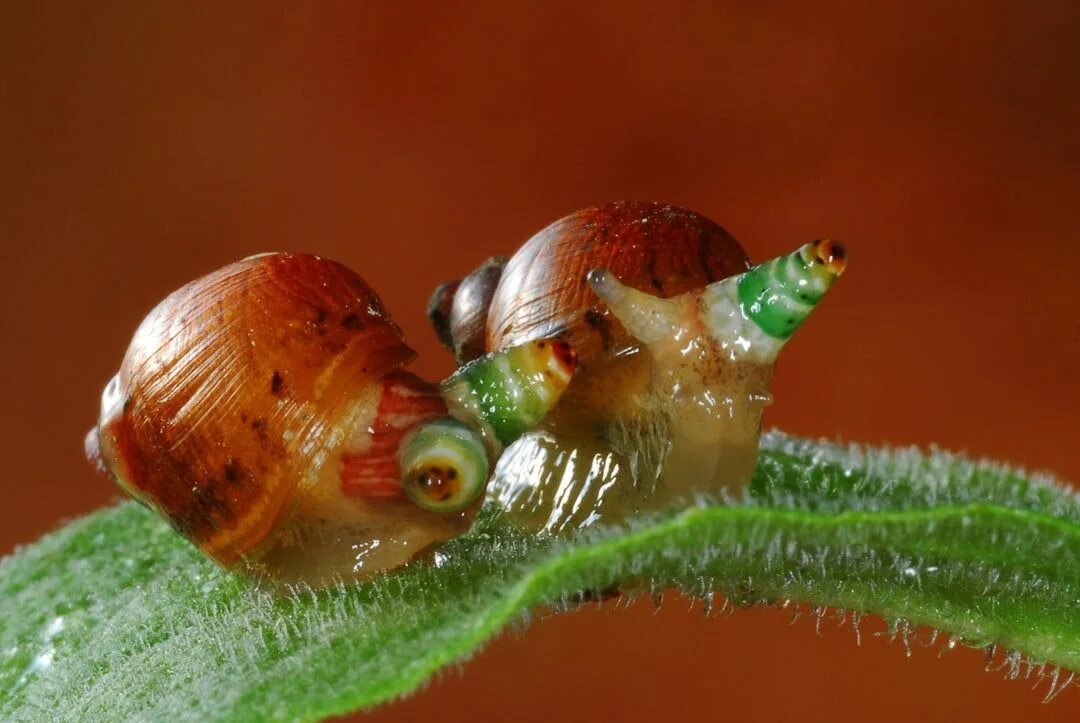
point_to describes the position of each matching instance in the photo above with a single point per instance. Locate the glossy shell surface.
(242, 390)
(659, 248)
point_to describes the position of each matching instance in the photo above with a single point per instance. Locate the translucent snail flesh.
(265, 410)
(676, 336)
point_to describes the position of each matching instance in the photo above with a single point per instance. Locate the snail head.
(714, 348)
(750, 315)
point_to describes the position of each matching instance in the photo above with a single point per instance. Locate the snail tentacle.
(752, 314)
(507, 392)
(757, 311)
(648, 318)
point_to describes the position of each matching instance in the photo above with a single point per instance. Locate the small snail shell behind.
(266, 412)
(667, 403)
(458, 309)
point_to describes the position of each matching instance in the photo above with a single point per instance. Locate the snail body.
(266, 411)
(676, 335)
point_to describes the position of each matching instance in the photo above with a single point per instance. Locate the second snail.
(677, 336)
(619, 361)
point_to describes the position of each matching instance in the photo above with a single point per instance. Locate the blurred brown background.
(144, 144)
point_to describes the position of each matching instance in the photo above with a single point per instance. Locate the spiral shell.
(244, 385)
(658, 248)
(542, 290)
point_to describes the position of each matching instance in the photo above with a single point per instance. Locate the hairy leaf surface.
(114, 616)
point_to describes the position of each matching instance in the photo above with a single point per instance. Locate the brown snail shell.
(234, 406)
(655, 247)
(459, 309)
(542, 290)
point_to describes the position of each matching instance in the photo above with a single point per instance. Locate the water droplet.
(44, 659)
(362, 551)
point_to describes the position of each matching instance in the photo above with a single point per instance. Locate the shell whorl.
(541, 292)
(277, 354)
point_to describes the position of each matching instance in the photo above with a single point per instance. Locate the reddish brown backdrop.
(144, 144)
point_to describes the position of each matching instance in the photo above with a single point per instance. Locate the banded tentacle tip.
(444, 465)
(558, 357)
(831, 254)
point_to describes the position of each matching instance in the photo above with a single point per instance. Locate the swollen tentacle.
(505, 393)
(444, 464)
(757, 311)
(493, 400)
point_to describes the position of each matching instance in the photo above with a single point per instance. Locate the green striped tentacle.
(506, 393)
(779, 294)
(757, 311)
(445, 465)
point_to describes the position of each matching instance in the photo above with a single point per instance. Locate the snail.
(676, 336)
(266, 412)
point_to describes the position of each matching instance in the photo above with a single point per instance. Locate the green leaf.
(114, 616)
